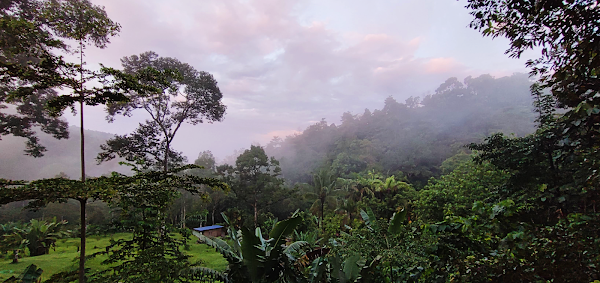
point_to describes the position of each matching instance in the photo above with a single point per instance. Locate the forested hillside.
(487, 179)
(411, 138)
(62, 156)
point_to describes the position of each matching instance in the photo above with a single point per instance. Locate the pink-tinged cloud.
(281, 64)
(441, 65)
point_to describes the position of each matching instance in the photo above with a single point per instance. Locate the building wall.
(214, 233)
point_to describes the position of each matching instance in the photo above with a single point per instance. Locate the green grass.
(63, 258)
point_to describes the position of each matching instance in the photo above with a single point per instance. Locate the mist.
(283, 66)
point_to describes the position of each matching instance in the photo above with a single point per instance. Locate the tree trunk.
(83, 238)
(183, 214)
(322, 214)
(166, 160)
(255, 213)
(82, 201)
(15, 256)
(213, 216)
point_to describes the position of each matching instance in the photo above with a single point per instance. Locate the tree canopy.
(413, 137)
(187, 96)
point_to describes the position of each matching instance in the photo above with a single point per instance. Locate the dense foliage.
(187, 96)
(391, 195)
(414, 137)
(29, 70)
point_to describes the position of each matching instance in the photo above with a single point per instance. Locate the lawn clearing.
(64, 257)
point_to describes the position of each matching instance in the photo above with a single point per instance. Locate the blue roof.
(200, 229)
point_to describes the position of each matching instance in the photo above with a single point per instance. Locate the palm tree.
(324, 189)
(348, 207)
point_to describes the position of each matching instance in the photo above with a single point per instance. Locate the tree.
(563, 151)
(543, 209)
(154, 253)
(454, 194)
(142, 197)
(384, 196)
(566, 32)
(31, 113)
(87, 24)
(145, 146)
(42, 25)
(28, 71)
(413, 137)
(324, 185)
(209, 166)
(207, 160)
(191, 96)
(187, 201)
(254, 179)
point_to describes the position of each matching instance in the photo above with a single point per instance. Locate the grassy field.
(63, 258)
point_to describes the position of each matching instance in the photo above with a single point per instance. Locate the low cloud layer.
(282, 64)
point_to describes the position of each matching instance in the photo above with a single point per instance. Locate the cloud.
(441, 65)
(281, 64)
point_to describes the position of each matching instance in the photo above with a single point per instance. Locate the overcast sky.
(285, 64)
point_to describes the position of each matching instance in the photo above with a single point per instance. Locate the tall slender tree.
(88, 24)
(29, 66)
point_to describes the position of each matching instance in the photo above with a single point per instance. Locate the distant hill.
(62, 156)
(413, 138)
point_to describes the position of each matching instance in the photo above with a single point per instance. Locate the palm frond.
(295, 249)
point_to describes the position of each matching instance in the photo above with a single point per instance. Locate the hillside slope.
(62, 156)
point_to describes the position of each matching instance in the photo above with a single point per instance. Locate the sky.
(283, 65)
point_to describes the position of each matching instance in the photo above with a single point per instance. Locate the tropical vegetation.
(485, 180)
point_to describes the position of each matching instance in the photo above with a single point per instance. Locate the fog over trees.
(411, 138)
(483, 178)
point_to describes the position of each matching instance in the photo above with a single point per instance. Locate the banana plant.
(394, 228)
(335, 268)
(42, 235)
(311, 237)
(11, 239)
(252, 257)
(37, 235)
(14, 242)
